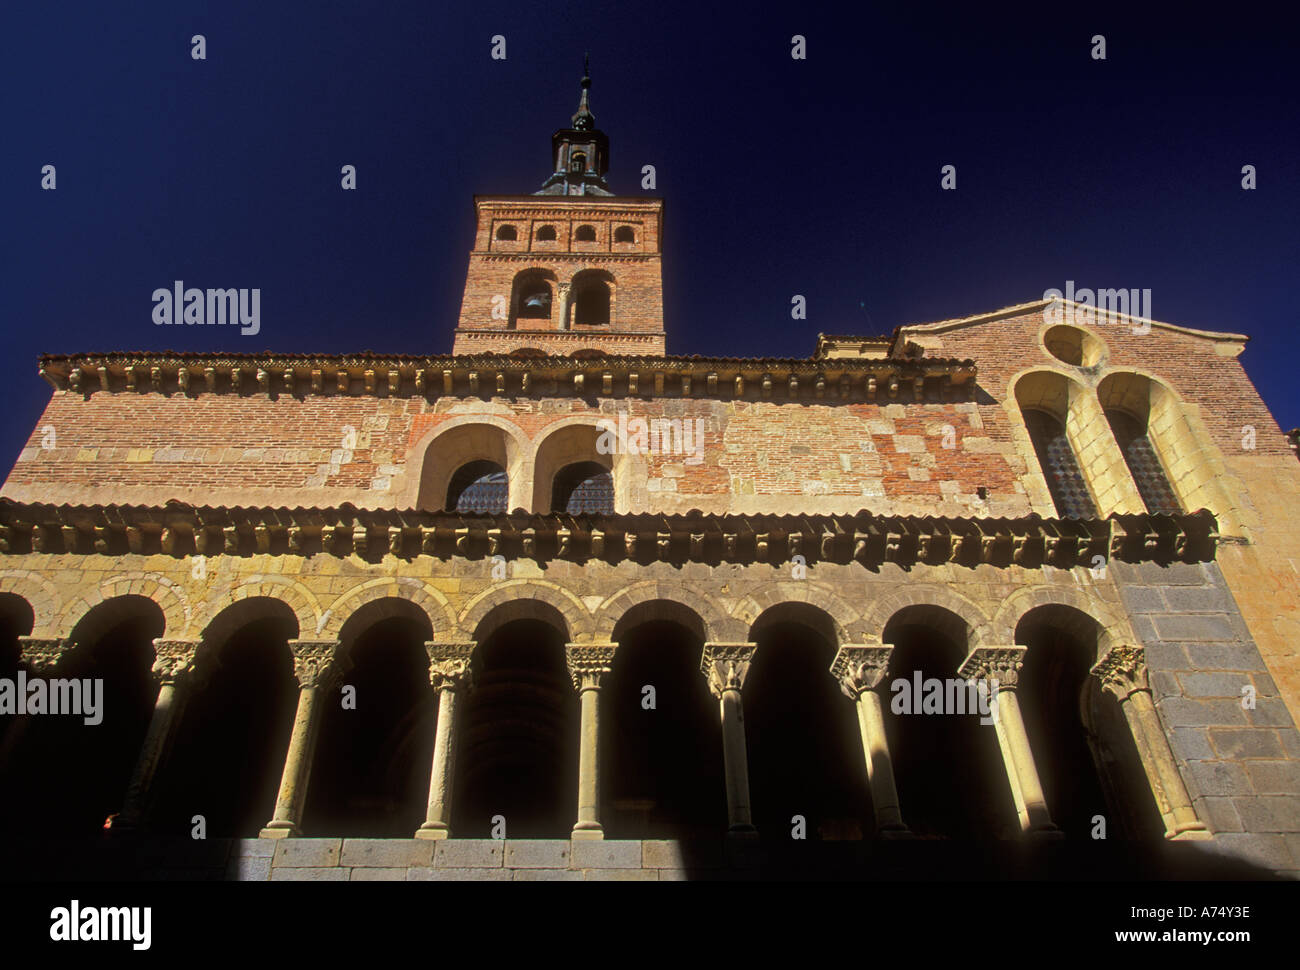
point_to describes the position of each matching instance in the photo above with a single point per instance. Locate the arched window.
(535, 299)
(578, 162)
(531, 295)
(583, 487)
(507, 233)
(591, 298)
(479, 486)
(1060, 467)
(625, 234)
(546, 234)
(585, 234)
(1143, 463)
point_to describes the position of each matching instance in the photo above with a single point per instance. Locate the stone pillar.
(1123, 672)
(859, 671)
(999, 669)
(41, 658)
(451, 677)
(588, 663)
(562, 306)
(173, 669)
(316, 665)
(725, 666)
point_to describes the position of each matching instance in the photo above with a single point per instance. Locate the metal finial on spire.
(583, 119)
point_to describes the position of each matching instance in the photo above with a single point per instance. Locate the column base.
(588, 832)
(895, 832)
(1048, 833)
(433, 830)
(1192, 832)
(279, 830)
(742, 831)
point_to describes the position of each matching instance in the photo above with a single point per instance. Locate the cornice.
(183, 530)
(899, 380)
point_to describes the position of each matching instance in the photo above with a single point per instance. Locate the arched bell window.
(535, 299)
(592, 298)
(585, 234)
(478, 486)
(578, 162)
(624, 234)
(583, 487)
(507, 233)
(546, 234)
(1060, 467)
(1143, 463)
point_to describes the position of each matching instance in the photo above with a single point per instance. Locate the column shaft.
(880, 766)
(588, 825)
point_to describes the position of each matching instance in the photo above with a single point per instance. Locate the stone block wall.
(1239, 753)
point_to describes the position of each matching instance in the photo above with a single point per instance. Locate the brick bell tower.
(572, 269)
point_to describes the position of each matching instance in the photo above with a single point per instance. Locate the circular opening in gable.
(1073, 346)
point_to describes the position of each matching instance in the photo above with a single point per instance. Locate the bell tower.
(572, 269)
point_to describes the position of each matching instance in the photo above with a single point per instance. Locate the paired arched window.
(1143, 463)
(507, 233)
(546, 234)
(624, 234)
(583, 487)
(478, 486)
(1061, 469)
(585, 234)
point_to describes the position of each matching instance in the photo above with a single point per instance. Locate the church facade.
(559, 604)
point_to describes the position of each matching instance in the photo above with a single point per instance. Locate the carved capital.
(588, 663)
(174, 660)
(725, 666)
(42, 655)
(449, 665)
(995, 663)
(1122, 671)
(860, 668)
(317, 662)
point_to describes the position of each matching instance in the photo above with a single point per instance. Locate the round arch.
(41, 595)
(925, 594)
(431, 601)
(300, 600)
(522, 599)
(566, 442)
(845, 621)
(164, 593)
(714, 625)
(459, 440)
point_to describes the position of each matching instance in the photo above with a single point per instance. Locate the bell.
(538, 301)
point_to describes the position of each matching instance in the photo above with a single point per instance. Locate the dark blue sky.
(818, 177)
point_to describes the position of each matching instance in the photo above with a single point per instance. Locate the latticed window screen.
(584, 488)
(1148, 474)
(1060, 467)
(480, 486)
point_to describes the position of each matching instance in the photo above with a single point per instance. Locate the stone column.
(41, 658)
(999, 669)
(725, 666)
(1123, 672)
(588, 663)
(859, 671)
(316, 665)
(173, 669)
(562, 306)
(451, 677)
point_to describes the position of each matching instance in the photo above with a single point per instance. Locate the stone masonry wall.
(1241, 764)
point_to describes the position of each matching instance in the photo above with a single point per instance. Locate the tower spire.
(579, 153)
(583, 119)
